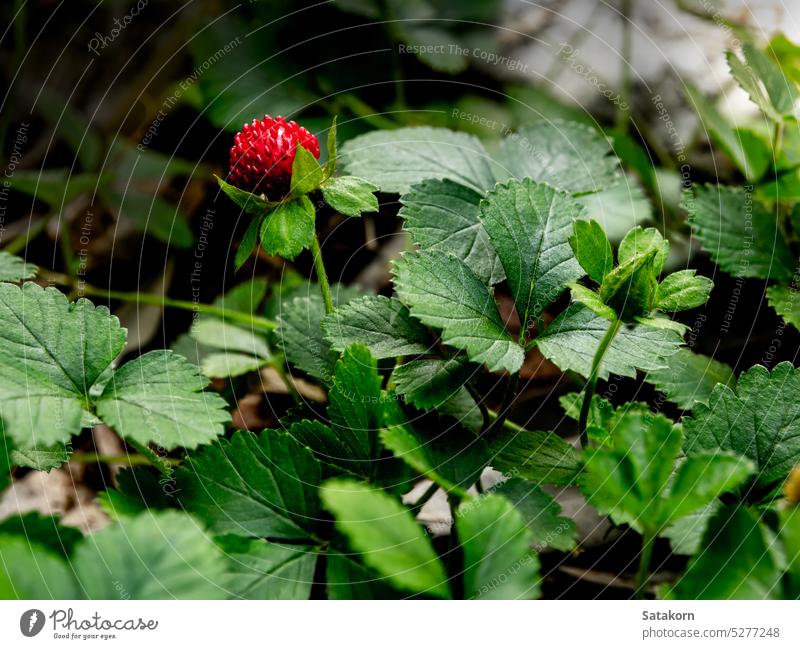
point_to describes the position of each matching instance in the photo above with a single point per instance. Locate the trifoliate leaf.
(443, 215)
(159, 398)
(758, 418)
(498, 560)
(253, 485)
(735, 561)
(387, 536)
(307, 173)
(395, 160)
(571, 340)
(355, 402)
(250, 203)
(739, 233)
(383, 324)
(631, 476)
(683, 290)
(444, 293)
(689, 378)
(542, 457)
(259, 569)
(529, 226)
(630, 288)
(569, 156)
(289, 228)
(51, 354)
(350, 195)
(14, 269)
(155, 555)
(785, 301)
(592, 249)
(540, 512)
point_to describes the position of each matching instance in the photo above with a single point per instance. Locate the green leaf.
(300, 333)
(689, 378)
(259, 569)
(350, 195)
(159, 398)
(759, 418)
(443, 215)
(383, 324)
(686, 534)
(223, 335)
(785, 302)
(330, 165)
(355, 402)
(734, 563)
(44, 530)
(529, 226)
(387, 536)
(228, 364)
(744, 149)
(567, 155)
(453, 459)
(428, 383)
(683, 290)
(573, 337)
(782, 92)
(14, 269)
(444, 293)
(329, 447)
(56, 187)
(395, 160)
(630, 288)
(155, 555)
(41, 458)
(742, 247)
(540, 512)
(307, 174)
(591, 300)
(539, 456)
(253, 485)
(348, 579)
(592, 249)
(748, 79)
(641, 241)
(631, 477)
(248, 244)
(51, 354)
(6, 463)
(498, 560)
(289, 228)
(32, 571)
(250, 203)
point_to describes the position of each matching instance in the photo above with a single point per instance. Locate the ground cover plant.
(538, 338)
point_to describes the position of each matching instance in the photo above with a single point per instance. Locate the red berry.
(263, 153)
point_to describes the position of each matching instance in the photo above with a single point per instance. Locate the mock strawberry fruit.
(263, 153)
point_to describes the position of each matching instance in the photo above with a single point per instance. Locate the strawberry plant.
(394, 451)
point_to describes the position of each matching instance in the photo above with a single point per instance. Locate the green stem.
(163, 464)
(494, 415)
(322, 276)
(33, 231)
(591, 382)
(129, 459)
(257, 322)
(643, 574)
(505, 407)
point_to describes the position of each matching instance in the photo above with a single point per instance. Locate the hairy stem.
(322, 276)
(591, 382)
(163, 464)
(130, 459)
(643, 574)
